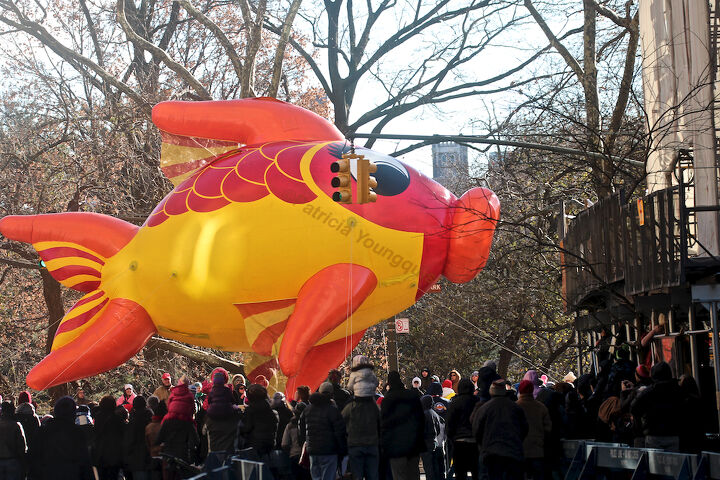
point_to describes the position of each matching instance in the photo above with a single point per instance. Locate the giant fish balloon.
(249, 252)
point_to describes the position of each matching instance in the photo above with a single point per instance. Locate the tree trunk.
(506, 353)
(56, 311)
(207, 358)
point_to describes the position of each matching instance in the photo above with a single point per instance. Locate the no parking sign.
(402, 325)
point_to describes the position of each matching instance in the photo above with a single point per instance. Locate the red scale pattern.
(247, 175)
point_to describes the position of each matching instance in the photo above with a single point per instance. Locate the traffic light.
(365, 181)
(342, 181)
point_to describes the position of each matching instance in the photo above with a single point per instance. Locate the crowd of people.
(482, 426)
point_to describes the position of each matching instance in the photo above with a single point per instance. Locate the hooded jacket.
(459, 411)
(456, 381)
(322, 426)
(532, 376)
(362, 381)
(178, 433)
(486, 376)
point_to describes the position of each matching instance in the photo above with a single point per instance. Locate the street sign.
(435, 288)
(402, 325)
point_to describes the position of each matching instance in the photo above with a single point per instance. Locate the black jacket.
(362, 420)
(258, 427)
(500, 427)
(107, 440)
(486, 375)
(459, 411)
(284, 416)
(12, 439)
(341, 396)
(322, 426)
(659, 408)
(136, 454)
(62, 451)
(221, 432)
(179, 439)
(403, 423)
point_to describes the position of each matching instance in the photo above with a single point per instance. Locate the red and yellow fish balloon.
(249, 252)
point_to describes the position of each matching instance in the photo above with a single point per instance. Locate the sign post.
(392, 345)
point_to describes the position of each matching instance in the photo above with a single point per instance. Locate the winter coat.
(284, 415)
(62, 451)
(402, 424)
(136, 453)
(25, 416)
(341, 396)
(179, 438)
(363, 382)
(362, 421)
(162, 393)
(500, 427)
(291, 440)
(621, 370)
(434, 425)
(486, 376)
(258, 427)
(107, 439)
(539, 425)
(126, 402)
(581, 420)
(221, 432)
(181, 404)
(555, 403)
(459, 411)
(456, 381)
(659, 409)
(692, 431)
(425, 381)
(12, 439)
(322, 426)
(220, 402)
(151, 433)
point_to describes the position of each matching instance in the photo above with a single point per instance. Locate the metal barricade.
(598, 460)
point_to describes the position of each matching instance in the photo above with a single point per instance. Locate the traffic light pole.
(392, 351)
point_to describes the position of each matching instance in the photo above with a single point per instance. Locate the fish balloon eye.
(392, 176)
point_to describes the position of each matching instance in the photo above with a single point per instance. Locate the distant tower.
(450, 166)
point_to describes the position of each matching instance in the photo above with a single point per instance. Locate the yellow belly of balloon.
(191, 270)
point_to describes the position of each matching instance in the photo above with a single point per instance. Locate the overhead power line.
(430, 139)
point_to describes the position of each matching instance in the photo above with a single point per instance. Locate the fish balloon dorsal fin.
(195, 133)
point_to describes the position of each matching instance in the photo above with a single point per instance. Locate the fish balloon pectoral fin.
(319, 360)
(122, 329)
(325, 301)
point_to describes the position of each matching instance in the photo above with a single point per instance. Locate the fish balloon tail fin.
(474, 217)
(73, 246)
(99, 332)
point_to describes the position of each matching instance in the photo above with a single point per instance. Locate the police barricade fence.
(587, 459)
